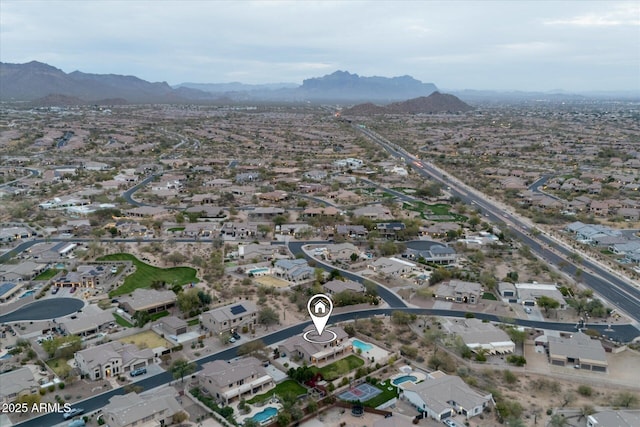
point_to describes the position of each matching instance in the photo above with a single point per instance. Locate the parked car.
(73, 289)
(137, 372)
(55, 290)
(72, 413)
(236, 336)
(232, 340)
(450, 423)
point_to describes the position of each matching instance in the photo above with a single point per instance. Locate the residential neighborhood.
(170, 266)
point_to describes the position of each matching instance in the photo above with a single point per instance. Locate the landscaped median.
(145, 274)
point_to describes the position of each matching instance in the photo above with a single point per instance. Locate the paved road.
(625, 332)
(610, 286)
(46, 309)
(391, 298)
(128, 195)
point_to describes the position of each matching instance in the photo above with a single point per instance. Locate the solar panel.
(237, 309)
(6, 287)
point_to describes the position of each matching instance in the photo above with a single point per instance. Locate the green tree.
(402, 318)
(558, 420)
(253, 348)
(188, 300)
(181, 367)
(626, 399)
(547, 303)
(267, 316)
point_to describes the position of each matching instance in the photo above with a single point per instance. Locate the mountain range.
(43, 84)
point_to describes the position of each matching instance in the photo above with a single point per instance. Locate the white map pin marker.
(320, 307)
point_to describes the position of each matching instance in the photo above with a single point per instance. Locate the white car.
(450, 423)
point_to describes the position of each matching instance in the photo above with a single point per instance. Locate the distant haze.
(507, 45)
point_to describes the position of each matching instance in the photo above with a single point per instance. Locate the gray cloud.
(481, 45)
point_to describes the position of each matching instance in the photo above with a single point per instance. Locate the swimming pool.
(362, 345)
(404, 379)
(28, 293)
(260, 270)
(265, 415)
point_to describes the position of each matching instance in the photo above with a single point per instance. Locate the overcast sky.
(507, 45)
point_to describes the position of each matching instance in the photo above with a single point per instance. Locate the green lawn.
(288, 387)
(440, 209)
(193, 322)
(158, 315)
(47, 274)
(59, 366)
(146, 274)
(175, 229)
(489, 296)
(340, 367)
(122, 321)
(384, 396)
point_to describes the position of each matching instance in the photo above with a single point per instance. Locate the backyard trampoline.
(360, 393)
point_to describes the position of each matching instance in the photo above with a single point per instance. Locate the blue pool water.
(26, 294)
(362, 345)
(258, 270)
(404, 379)
(265, 414)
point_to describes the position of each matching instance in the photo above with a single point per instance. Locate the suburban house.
(390, 229)
(172, 326)
(238, 230)
(392, 267)
(436, 254)
(85, 276)
(336, 286)
(317, 353)
(460, 291)
(445, 395)
(92, 320)
(528, 293)
(148, 300)
(478, 335)
(234, 380)
(508, 291)
(352, 231)
(111, 359)
(230, 318)
(8, 290)
(293, 270)
(340, 251)
(579, 351)
(133, 409)
(16, 383)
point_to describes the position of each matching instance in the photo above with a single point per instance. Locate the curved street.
(44, 310)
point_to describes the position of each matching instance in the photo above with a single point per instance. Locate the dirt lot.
(148, 339)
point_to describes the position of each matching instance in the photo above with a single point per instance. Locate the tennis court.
(361, 393)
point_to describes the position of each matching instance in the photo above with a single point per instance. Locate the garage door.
(139, 365)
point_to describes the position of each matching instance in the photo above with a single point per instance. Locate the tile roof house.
(148, 300)
(112, 359)
(16, 383)
(132, 409)
(234, 380)
(445, 396)
(293, 270)
(460, 291)
(579, 351)
(317, 353)
(335, 286)
(479, 335)
(230, 317)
